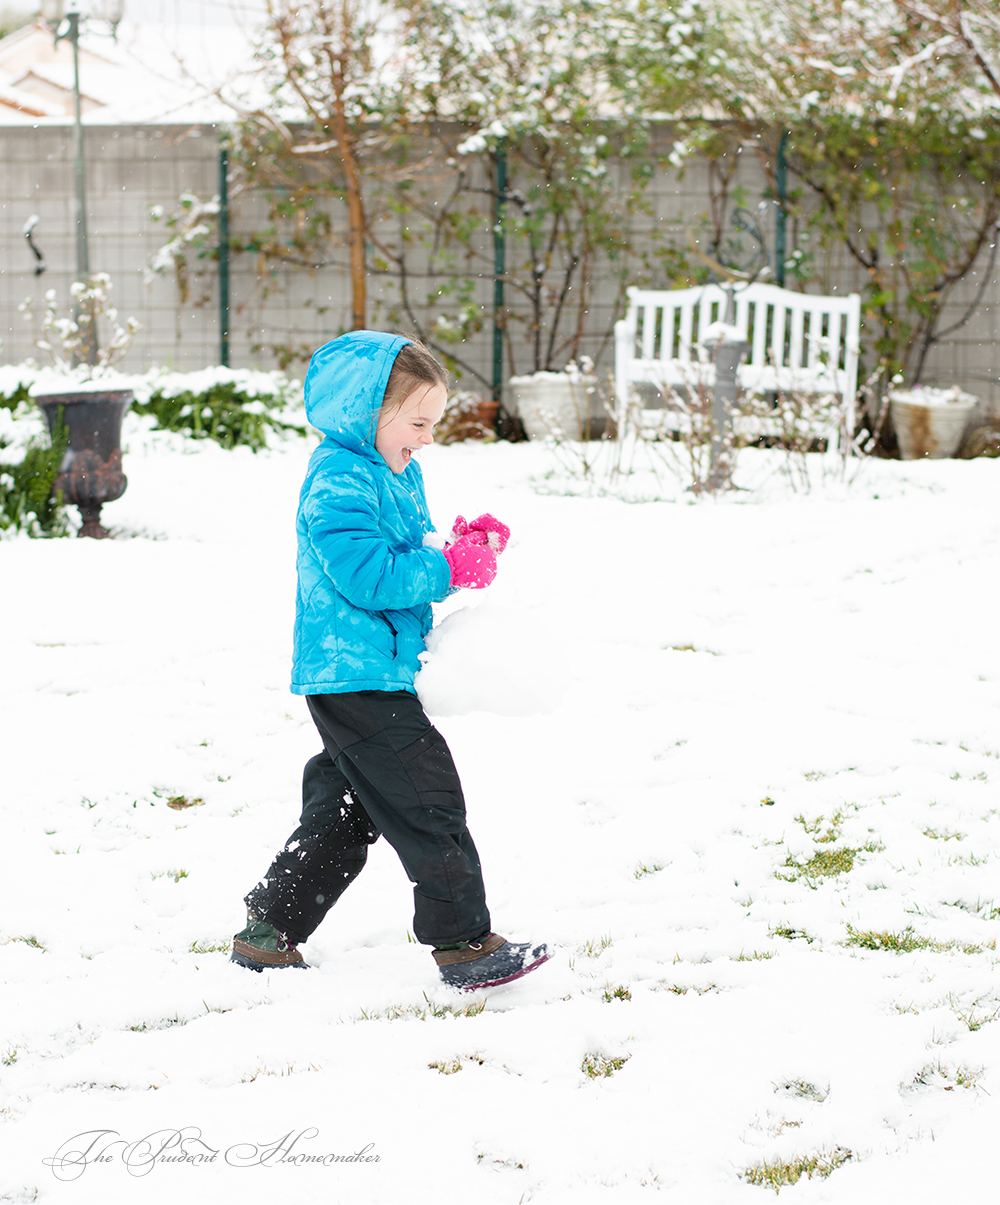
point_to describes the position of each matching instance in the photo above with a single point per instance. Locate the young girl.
(369, 567)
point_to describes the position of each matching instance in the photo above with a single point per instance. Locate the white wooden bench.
(800, 343)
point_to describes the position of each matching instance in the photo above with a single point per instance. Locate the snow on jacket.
(366, 580)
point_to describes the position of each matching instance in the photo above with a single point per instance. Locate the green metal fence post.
(499, 268)
(224, 255)
(781, 185)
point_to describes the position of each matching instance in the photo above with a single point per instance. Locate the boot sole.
(252, 964)
(476, 987)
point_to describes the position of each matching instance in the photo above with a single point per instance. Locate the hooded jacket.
(365, 578)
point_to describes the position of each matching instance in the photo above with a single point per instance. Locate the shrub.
(236, 409)
(26, 499)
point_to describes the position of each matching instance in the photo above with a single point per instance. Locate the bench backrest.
(797, 340)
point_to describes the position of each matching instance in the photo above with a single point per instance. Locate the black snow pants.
(384, 770)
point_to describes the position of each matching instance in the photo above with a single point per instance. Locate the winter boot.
(261, 947)
(487, 962)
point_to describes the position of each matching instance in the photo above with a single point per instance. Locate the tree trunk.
(355, 209)
(356, 223)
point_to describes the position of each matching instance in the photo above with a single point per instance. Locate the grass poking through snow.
(905, 942)
(780, 1173)
(598, 1066)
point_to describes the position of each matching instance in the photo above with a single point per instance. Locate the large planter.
(91, 472)
(930, 423)
(560, 405)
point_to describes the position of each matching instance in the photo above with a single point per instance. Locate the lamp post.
(57, 14)
(91, 471)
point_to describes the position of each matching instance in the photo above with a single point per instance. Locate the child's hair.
(414, 366)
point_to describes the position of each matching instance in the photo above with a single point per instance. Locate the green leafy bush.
(27, 502)
(12, 394)
(236, 409)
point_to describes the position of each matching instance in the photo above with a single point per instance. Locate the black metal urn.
(91, 472)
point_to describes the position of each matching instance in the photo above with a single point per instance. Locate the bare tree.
(335, 80)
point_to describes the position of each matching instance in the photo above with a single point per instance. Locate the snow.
(641, 706)
(923, 395)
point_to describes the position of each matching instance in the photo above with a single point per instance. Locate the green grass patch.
(943, 834)
(418, 1012)
(790, 934)
(596, 946)
(815, 828)
(452, 1066)
(165, 1023)
(598, 1066)
(180, 802)
(968, 1077)
(968, 860)
(903, 943)
(824, 863)
(28, 941)
(219, 946)
(937, 1075)
(987, 909)
(803, 1089)
(621, 992)
(642, 869)
(974, 1020)
(780, 1173)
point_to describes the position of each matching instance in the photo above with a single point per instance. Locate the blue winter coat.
(366, 581)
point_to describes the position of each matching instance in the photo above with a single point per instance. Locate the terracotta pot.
(471, 421)
(91, 472)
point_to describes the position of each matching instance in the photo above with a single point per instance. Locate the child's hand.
(473, 564)
(495, 533)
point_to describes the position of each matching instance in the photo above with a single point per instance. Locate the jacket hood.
(345, 386)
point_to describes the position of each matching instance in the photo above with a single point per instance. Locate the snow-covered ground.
(673, 721)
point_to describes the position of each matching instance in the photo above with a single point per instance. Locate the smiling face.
(410, 427)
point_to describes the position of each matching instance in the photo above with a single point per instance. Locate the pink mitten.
(490, 531)
(472, 563)
(497, 533)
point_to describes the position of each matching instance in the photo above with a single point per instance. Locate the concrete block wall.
(130, 169)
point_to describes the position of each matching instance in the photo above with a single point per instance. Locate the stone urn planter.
(91, 472)
(930, 423)
(564, 405)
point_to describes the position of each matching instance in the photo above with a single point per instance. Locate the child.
(369, 566)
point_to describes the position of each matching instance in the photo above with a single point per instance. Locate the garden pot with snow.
(91, 472)
(563, 405)
(930, 423)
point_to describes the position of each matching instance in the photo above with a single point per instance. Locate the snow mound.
(463, 673)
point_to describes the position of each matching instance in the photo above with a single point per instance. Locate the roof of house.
(153, 72)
